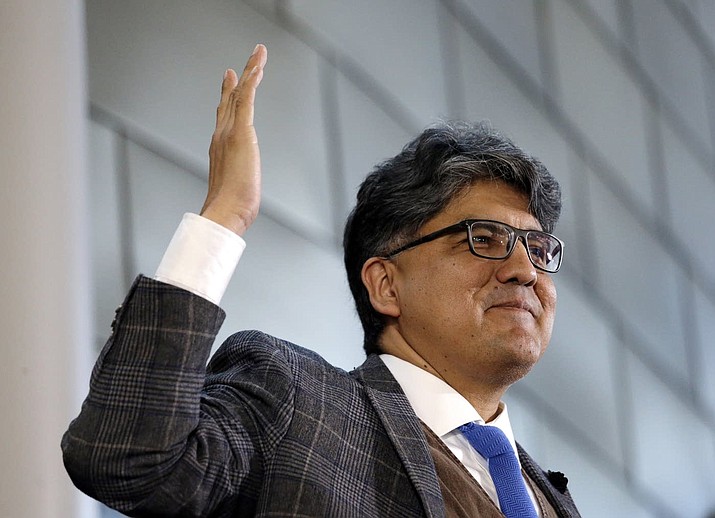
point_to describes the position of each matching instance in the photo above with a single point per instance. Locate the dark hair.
(401, 194)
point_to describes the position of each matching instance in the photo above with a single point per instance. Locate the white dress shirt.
(444, 410)
(202, 257)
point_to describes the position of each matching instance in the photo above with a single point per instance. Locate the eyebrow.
(537, 226)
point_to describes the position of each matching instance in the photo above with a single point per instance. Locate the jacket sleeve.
(150, 440)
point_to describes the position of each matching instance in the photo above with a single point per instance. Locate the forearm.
(144, 400)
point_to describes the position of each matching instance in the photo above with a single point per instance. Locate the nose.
(517, 268)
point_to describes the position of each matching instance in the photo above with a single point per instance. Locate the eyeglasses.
(496, 240)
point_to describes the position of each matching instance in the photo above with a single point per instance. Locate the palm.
(234, 190)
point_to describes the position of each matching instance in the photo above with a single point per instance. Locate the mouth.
(516, 305)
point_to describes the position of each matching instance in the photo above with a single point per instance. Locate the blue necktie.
(492, 444)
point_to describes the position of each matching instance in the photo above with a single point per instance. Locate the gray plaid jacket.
(267, 429)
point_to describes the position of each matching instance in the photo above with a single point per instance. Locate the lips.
(517, 304)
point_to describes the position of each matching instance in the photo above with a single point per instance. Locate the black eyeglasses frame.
(466, 224)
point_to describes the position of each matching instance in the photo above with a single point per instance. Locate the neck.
(482, 395)
(485, 400)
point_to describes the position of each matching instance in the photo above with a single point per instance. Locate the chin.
(522, 340)
(519, 357)
(511, 372)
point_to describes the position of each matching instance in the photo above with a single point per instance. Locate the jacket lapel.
(404, 430)
(553, 485)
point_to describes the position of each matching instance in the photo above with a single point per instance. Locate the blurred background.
(105, 129)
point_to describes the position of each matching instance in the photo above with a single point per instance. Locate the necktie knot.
(489, 441)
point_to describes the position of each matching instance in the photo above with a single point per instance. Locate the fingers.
(241, 99)
(238, 94)
(258, 59)
(230, 80)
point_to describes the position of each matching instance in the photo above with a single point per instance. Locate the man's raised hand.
(234, 191)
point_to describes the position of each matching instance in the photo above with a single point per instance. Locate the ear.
(378, 278)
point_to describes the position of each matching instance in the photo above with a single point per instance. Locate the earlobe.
(378, 278)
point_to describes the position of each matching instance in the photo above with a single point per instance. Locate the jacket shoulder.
(256, 347)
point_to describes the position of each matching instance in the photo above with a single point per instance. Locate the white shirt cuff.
(201, 257)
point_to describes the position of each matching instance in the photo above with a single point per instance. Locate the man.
(449, 260)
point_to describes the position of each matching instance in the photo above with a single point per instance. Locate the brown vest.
(462, 494)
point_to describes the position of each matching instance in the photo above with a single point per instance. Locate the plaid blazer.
(267, 429)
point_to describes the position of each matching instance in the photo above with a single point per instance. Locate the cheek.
(547, 296)
(447, 290)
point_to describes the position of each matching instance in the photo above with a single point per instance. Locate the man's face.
(474, 321)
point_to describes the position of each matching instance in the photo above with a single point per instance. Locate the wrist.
(235, 221)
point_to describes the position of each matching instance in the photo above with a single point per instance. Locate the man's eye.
(483, 241)
(538, 252)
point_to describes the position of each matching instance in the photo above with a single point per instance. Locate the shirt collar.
(437, 404)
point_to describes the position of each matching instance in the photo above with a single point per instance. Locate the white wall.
(44, 303)
(615, 97)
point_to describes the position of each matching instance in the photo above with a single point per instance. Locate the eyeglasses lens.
(491, 239)
(544, 250)
(496, 241)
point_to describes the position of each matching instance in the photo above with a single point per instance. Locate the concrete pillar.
(45, 331)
